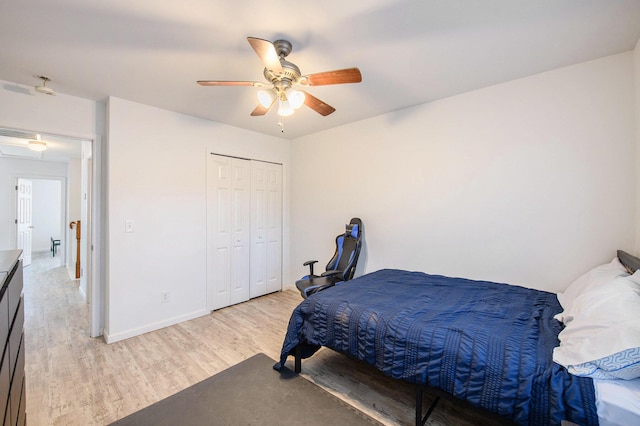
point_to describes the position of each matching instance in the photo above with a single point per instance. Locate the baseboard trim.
(116, 337)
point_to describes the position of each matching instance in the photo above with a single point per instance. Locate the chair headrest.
(352, 230)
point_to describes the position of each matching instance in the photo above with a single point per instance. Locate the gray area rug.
(250, 393)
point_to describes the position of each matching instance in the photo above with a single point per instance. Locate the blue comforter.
(487, 343)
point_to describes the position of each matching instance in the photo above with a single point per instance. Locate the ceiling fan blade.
(266, 52)
(229, 83)
(348, 75)
(260, 110)
(317, 105)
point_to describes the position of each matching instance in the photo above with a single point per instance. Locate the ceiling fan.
(282, 76)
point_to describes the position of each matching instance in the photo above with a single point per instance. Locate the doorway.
(70, 161)
(40, 217)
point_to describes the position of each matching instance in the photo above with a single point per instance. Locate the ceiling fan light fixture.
(295, 98)
(43, 88)
(284, 108)
(266, 97)
(37, 146)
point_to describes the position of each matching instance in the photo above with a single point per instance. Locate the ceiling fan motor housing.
(290, 72)
(283, 48)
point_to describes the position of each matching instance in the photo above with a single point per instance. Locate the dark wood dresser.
(12, 387)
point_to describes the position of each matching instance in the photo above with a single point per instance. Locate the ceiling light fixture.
(43, 88)
(284, 108)
(295, 97)
(266, 97)
(289, 100)
(38, 146)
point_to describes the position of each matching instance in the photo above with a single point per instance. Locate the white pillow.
(596, 277)
(623, 365)
(601, 337)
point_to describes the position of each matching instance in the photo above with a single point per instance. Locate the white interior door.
(24, 213)
(85, 200)
(258, 229)
(274, 227)
(266, 228)
(228, 230)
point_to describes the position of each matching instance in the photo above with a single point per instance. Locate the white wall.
(25, 109)
(10, 169)
(529, 182)
(47, 213)
(636, 70)
(157, 178)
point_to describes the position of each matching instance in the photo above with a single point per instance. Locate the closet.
(244, 229)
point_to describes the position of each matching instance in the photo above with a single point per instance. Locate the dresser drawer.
(22, 411)
(5, 384)
(17, 385)
(16, 335)
(14, 288)
(19, 373)
(12, 346)
(4, 321)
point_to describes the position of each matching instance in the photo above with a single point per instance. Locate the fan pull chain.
(281, 123)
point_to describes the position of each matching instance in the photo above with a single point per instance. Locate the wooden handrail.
(78, 227)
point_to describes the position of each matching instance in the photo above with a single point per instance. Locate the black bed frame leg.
(420, 421)
(298, 360)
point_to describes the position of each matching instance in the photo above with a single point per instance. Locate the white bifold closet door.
(244, 230)
(266, 228)
(228, 231)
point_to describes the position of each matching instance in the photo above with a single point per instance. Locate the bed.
(486, 343)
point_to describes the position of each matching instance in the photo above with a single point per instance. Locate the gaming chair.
(342, 265)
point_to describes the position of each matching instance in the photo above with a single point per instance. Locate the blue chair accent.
(342, 265)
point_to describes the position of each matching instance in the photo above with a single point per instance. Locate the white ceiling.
(14, 144)
(409, 52)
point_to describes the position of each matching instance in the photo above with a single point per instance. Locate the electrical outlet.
(164, 297)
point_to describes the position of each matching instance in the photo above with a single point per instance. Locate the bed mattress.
(618, 402)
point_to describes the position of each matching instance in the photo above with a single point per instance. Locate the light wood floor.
(76, 380)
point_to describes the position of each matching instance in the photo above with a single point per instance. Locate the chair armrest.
(310, 264)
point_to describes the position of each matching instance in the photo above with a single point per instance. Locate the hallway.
(56, 317)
